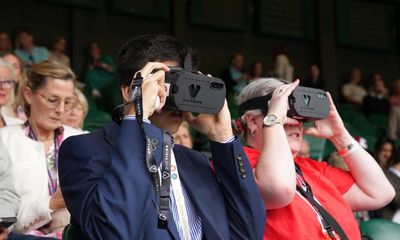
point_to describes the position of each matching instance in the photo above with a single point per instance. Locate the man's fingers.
(151, 66)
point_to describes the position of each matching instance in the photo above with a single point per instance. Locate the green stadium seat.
(380, 229)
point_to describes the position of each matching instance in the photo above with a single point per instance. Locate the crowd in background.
(39, 93)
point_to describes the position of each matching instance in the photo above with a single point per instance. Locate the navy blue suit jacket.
(109, 192)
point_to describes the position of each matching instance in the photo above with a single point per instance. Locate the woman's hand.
(278, 104)
(3, 233)
(216, 127)
(331, 127)
(152, 88)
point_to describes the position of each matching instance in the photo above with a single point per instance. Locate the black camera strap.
(330, 225)
(161, 183)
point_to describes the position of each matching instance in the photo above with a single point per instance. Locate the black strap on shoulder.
(328, 222)
(161, 183)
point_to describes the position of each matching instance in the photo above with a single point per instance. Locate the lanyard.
(161, 183)
(304, 189)
(53, 178)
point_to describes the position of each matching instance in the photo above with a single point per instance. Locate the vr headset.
(306, 104)
(193, 92)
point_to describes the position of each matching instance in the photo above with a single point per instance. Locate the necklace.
(45, 139)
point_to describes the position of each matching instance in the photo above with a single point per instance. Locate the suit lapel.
(111, 132)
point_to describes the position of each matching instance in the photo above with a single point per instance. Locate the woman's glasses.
(7, 84)
(54, 101)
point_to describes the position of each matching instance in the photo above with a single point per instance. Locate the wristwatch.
(271, 120)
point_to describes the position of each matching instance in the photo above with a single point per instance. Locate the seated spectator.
(33, 149)
(16, 109)
(294, 187)
(7, 84)
(75, 117)
(393, 175)
(282, 67)
(100, 77)
(58, 51)
(182, 135)
(383, 151)
(256, 71)
(112, 193)
(394, 99)
(27, 51)
(393, 128)
(352, 92)
(314, 79)
(376, 101)
(234, 76)
(5, 43)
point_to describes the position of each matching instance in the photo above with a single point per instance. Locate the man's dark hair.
(140, 50)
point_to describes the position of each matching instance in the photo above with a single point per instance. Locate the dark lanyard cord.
(162, 189)
(328, 222)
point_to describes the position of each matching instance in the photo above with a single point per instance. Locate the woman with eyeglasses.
(16, 109)
(7, 84)
(33, 148)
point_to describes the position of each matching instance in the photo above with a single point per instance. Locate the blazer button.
(242, 170)
(244, 175)
(239, 157)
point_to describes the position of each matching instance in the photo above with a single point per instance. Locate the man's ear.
(125, 90)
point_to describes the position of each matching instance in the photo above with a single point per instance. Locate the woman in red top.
(274, 141)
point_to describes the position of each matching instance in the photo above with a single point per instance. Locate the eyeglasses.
(53, 102)
(7, 84)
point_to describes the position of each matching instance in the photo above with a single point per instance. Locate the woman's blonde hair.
(82, 100)
(44, 71)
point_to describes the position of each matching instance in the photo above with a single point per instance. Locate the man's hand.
(57, 200)
(3, 233)
(216, 127)
(152, 87)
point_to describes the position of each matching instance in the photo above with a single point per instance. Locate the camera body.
(193, 92)
(308, 104)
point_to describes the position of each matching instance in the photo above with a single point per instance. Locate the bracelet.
(348, 149)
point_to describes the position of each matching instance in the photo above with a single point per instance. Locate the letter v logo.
(306, 100)
(194, 90)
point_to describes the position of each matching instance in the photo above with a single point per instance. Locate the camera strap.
(330, 225)
(161, 183)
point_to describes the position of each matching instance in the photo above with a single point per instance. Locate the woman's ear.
(251, 122)
(28, 95)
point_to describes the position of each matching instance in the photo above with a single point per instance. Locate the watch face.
(270, 120)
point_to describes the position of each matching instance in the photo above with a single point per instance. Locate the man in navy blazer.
(106, 183)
